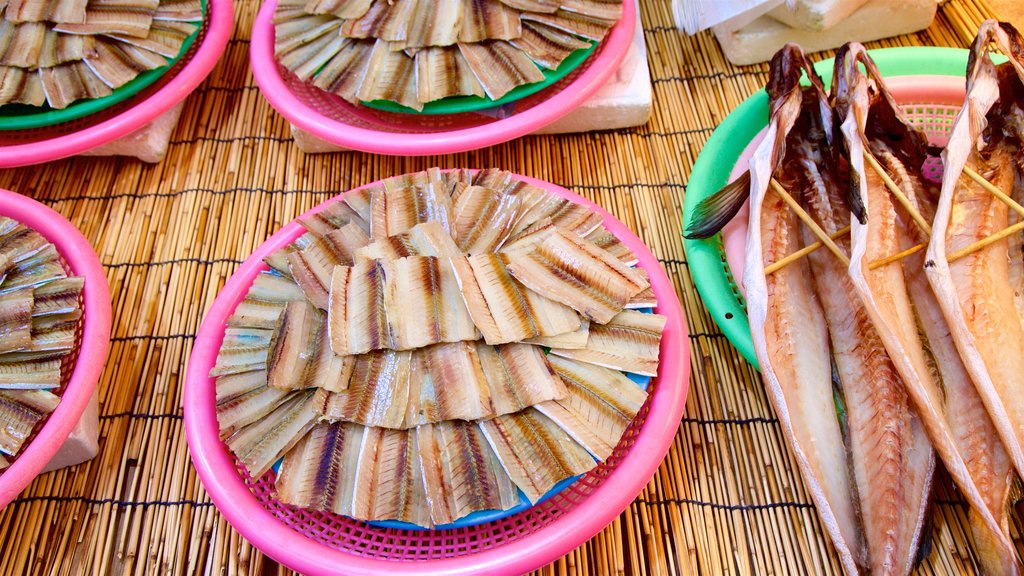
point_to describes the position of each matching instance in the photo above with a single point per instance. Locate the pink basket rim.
(244, 512)
(82, 260)
(222, 15)
(272, 86)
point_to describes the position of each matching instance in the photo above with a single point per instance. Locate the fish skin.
(316, 473)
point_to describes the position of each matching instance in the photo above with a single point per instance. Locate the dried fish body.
(442, 72)
(518, 376)
(15, 320)
(312, 266)
(598, 407)
(377, 392)
(630, 342)
(69, 82)
(265, 301)
(261, 443)
(27, 11)
(111, 20)
(483, 219)
(24, 44)
(424, 305)
(461, 473)
(344, 9)
(607, 10)
(240, 411)
(534, 451)
(499, 66)
(389, 479)
(609, 242)
(568, 269)
(42, 375)
(20, 87)
(426, 239)
(384, 20)
(488, 20)
(390, 75)
(319, 472)
(547, 46)
(16, 424)
(344, 73)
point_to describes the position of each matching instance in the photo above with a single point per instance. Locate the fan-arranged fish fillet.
(900, 303)
(630, 342)
(116, 65)
(312, 266)
(579, 274)
(41, 401)
(111, 20)
(426, 239)
(245, 349)
(261, 443)
(610, 10)
(235, 413)
(335, 215)
(390, 75)
(265, 301)
(487, 20)
(69, 82)
(344, 73)
(534, 451)
(384, 20)
(319, 473)
(435, 23)
(547, 46)
(300, 355)
(16, 320)
(449, 384)
(21, 45)
(232, 385)
(27, 10)
(394, 211)
(599, 405)
(504, 310)
(534, 5)
(570, 22)
(344, 9)
(30, 375)
(499, 66)
(293, 33)
(177, 11)
(389, 479)
(483, 219)
(62, 48)
(359, 289)
(442, 72)
(16, 423)
(602, 237)
(461, 473)
(305, 60)
(424, 305)
(20, 87)
(569, 341)
(518, 376)
(377, 393)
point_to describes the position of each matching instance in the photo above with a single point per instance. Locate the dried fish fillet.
(335, 215)
(575, 272)
(589, 28)
(344, 9)
(113, 20)
(319, 473)
(69, 82)
(488, 20)
(390, 75)
(504, 310)
(15, 320)
(290, 34)
(41, 401)
(389, 479)
(20, 87)
(377, 392)
(435, 23)
(61, 48)
(603, 238)
(398, 210)
(240, 411)
(547, 46)
(261, 443)
(483, 219)
(164, 38)
(449, 385)
(499, 66)
(179, 11)
(16, 424)
(68, 11)
(232, 385)
(518, 376)
(294, 346)
(344, 73)
(426, 239)
(117, 66)
(442, 72)
(570, 340)
(24, 44)
(630, 342)
(599, 406)
(534, 451)
(43, 375)
(384, 20)
(424, 305)
(357, 317)
(608, 10)
(265, 301)
(312, 266)
(27, 10)
(461, 473)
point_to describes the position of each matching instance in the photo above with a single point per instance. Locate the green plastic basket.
(460, 104)
(25, 117)
(706, 258)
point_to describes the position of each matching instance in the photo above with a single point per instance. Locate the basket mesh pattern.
(44, 133)
(936, 120)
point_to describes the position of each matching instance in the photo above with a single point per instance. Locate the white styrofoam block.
(148, 143)
(877, 19)
(816, 14)
(692, 16)
(83, 443)
(624, 102)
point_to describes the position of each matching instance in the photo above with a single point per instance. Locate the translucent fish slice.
(390, 75)
(483, 219)
(442, 72)
(61, 48)
(377, 392)
(265, 301)
(16, 424)
(384, 20)
(294, 346)
(43, 375)
(42, 401)
(244, 409)
(399, 210)
(19, 11)
(69, 82)
(232, 385)
(534, 5)
(318, 473)
(518, 376)
(569, 269)
(461, 473)
(534, 451)
(357, 316)
(389, 480)
(488, 20)
(499, 66)
(607, 10)
(15, 320)
(426, 239)
(449, 385)
(24, 46)
(344, 9)
(589, 28)
(312, 268)
(261, 443)
(290, 34)
(424, 304)
(599, 405)
(336, 214)
(609, 242)
(20, 87)
(629, 342)
(115, 20)
(547, 46)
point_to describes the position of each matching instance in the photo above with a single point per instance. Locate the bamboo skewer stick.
(786, 261)
(806, 219)
(898, 193)
(994, 190)
(896, 257)
(988, 240)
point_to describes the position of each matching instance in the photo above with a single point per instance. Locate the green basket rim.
(461, 104)
(24, 117)
(706, 258)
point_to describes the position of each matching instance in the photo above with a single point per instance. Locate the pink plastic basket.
(319, 543)
(81, 260)
(25, 147)
(332, 119)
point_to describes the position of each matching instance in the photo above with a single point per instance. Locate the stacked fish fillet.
(55, 52)
(40, 309)
(413, 52)
(395, 354)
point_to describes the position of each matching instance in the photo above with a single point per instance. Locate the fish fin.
(715, 211)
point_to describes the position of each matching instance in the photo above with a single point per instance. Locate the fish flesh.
(483, 219)
(518, 376)
(499, 66)
(67, 83)
(333, 216)
(570, 22)
(266, 300)
(547, 46)
(390, 75)
(239, 411)
(377, 393)
(426, 239)
(570, 340)
(261, 443)
(318, 473)
(344, 9)
(397, 210)
(16, 320)
(569, 269)
(487, 20)
(178, 11)
(442, 72)
(344, 73)
(17, 422)
(389, 478)
(20, 87)
(111, 20)
(116, 66)
(41, 375)
(450, 385)
(22, 44)
(630, 342)
(423, 303)
(61, 48)
(436, 23)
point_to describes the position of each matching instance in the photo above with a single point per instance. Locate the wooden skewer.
(898, 193)
(995, 191)
(896, 257)
(806, 218)
(783, 262)
(986, 241)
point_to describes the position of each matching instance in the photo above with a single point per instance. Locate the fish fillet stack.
(434, 345)
(413, 52)
(55, 52)
(911, 318)
(40, 309)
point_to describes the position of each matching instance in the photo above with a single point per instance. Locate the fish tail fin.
(715, 211)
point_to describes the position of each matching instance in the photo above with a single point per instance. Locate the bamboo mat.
(727, 500)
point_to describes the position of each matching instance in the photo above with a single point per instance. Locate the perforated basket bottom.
(936, 120)
(356, 537)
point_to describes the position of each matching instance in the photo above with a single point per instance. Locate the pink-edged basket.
(77, 390)
(319, 543)
(332, 119)
(26, 147)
